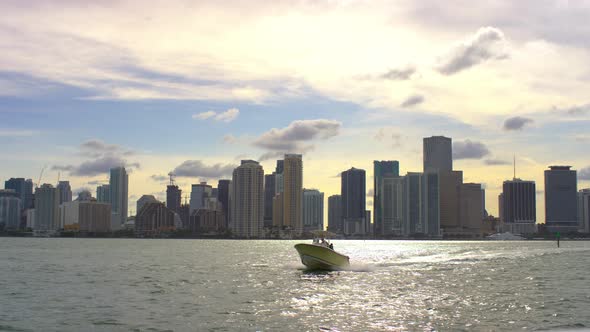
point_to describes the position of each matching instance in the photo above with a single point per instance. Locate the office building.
(223, 198)
(65, 192)
(277, 210)
(561, 203)
(335, 214)
(24, 190)
(103, 193)
(47, 209)
(313, 210)
(584, 210)
(173, 197)
(153, 219)
(518, 206)
(471, 209)
(353, 193)
(380, 169)
(206, 222)
(449, 196)
(391, 206)
(269, 194)
(86, 216)
(143, 200)
(292, 193)
(200, 193)
(119, 195)
(247, 200)
(437, 154)
(10, 209)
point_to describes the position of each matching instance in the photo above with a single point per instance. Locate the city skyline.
(81, 97)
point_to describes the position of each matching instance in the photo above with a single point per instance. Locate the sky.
(192, 87)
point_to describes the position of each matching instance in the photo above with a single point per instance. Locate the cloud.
(293, 137)
(469, 150)
(516, 123)
(227, 116)
(399, 73)
(159, 178)
(578, 110)
(584, 174)
(487, 43)
(5, 132)
(413, 101)
(496, 162)
(97, 183)
(229, 139)
(387, 136)
(96, 148)
(198, 169)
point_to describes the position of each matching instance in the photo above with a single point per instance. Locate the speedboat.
(321, 256)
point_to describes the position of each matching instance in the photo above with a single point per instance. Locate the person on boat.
(331, 246)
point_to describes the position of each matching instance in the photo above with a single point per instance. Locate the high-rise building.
(103, 193)
(47, 208)
(173, 197)
(223, 197)
(86, 216)
(10, 209)
(143, 200)
(561, 207)
(292, 193)
(335, 214)
(65, 192)
(313, 210)
(277, 210)
(449, 191)
(391, 206)
(584, 210)
(431, 203)
(247, 200)
(353, 192)
(153, 219)
(437, 154)
(119, 196)
(518, 206)
(24, 190)
(421, 204)
(471, 209)
(199, 194)
(269, 194)
(380, 169)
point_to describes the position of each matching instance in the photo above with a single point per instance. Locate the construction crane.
(40, 176)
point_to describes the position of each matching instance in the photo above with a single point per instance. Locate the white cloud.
(227, 116)
(204, 115)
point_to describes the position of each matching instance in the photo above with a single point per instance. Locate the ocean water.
(224, 285)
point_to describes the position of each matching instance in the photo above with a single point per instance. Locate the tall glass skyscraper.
(24, 190)
(247, 200)
(437, 154)
(65, 192)
(561, 204)
(119, 195)
(380, 169)
(313, 210)
(292, 193)
(335, 214)
(353, 192)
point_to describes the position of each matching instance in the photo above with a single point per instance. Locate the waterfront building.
(437, 154)
(247, 200)
(471, 209)
(103, 193)
(313, 210)
(391, 206)
(119, 196)
(173, 197)
(353, 193)
(380, 169)
(449, 196)
(10, 209)
(206, 222)
(335, 214)
(561, 210)
(143, 200)
(518, 206)
(269, 194)
(47, 209)
(199, 194)
(65, 192)
(86, 216)
(153, 219)
(223, 197)
(24, 190)
(277, 210)
(292, 193)
(584, 210)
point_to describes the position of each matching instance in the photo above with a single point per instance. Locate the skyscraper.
(391, 205)
(380, 169)
(518, 206)
(449, 191)
(10, 209)
(24, 190)
(247, 200)
(437, 154)
(471, 208)
(119, 195)
(269, 194)
(313, 210)
(335, 214)
(173, 197)
(223, 197)
(103, 193)
(199, 194)
(145, 199)
(561, 208)
(353, 192)
(292, 191)
(47, 208)
(584, 210)
(65, 192)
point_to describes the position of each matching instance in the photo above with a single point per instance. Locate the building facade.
(103, 193)
(380, 169)
(199, 194)
(269, 194)
(437, 154)
(154, 219)
(143, 200)
(335, 224)
(313, 210)
(292, 193)
(24, 190)
(561, 203)
(353, 193)
(584, 210)
(86, 216)
(119, 196)
(247, 200)
(10, 209)
(223, 197)
(391, 201)
(65, 192)
(173, 197)
(518, 206)
(47, 209)
(471, 209)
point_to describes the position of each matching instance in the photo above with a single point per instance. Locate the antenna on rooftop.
(171, 178)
